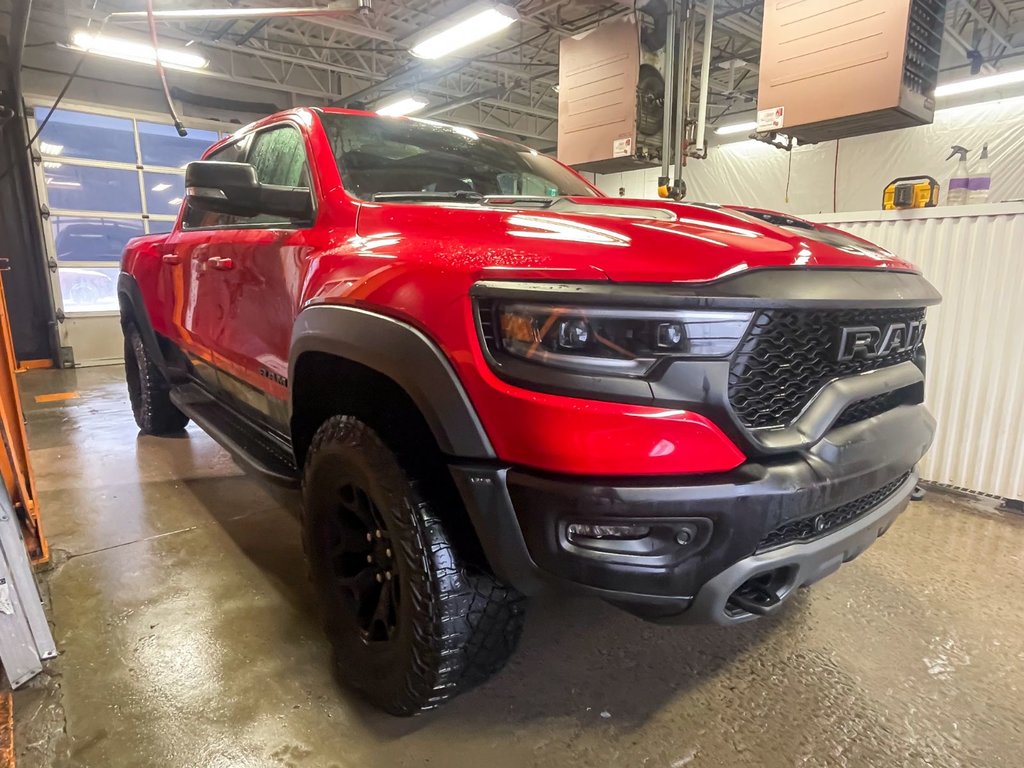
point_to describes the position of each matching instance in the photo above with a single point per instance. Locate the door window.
(197, 219)
(279, 157)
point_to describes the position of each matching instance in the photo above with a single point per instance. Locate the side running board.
(252, 446)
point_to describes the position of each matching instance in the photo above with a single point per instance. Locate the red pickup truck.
(490, 380)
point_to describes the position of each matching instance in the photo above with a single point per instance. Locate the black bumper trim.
(521, 516)
(799, 564)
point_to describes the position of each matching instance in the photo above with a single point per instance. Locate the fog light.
(585, 531)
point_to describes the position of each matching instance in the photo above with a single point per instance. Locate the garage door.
(104, 179)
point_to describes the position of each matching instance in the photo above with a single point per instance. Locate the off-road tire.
(454, 626)
(148, 390)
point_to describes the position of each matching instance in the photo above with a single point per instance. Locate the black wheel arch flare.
(405, 355)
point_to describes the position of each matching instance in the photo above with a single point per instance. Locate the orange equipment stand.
(14, 460)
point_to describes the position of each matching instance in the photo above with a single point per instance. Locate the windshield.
(382, 155)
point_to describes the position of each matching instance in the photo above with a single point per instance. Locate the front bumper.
(707, 534)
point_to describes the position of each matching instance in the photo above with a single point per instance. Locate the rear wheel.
(148, 391)
(410, 623)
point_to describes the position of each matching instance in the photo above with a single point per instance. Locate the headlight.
(615, 342)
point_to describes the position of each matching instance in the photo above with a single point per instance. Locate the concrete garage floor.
(188, 638)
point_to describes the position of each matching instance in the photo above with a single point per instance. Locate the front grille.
(789, 355)
(827, 522)
(873, 406)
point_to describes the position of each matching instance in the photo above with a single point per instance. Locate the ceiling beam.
(351, 28)
(961, 45)
(980, 19)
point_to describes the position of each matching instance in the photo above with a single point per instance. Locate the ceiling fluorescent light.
(141, 53)
(477, 22)
(48, 148)
(727, 130)
(403, 105)
(160, 187)
(980, 83)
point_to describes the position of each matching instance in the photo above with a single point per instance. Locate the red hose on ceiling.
(160, 70)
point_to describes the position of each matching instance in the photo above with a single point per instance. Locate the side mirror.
(232, 188)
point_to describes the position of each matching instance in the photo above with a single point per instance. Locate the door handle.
(171, 258)
(221, 262)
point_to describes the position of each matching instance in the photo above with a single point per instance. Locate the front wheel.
(411, 625)
(148, 391)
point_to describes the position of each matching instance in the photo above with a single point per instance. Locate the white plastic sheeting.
(975, 349)
(744, 173)
(752, 173)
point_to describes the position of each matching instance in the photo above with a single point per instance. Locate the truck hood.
(623, 240)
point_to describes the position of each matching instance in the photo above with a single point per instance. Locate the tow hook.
(754, 596)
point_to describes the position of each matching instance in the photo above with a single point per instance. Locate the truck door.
(192, 298)
(254, 279)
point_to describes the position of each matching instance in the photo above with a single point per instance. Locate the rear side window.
(279, 157)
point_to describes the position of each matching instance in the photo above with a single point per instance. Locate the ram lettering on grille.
(870, 341)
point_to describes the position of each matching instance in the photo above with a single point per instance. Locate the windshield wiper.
(463, 195)
(467, 196)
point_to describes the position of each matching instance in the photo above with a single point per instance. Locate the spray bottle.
(981, 180)
(957, 193)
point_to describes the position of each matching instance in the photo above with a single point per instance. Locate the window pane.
(232, 153)
(195, 218)
(279, 157)
(84, 188)
(164, 192)
(94, 137)
(87, 289)
(77, 238)
(161, 145)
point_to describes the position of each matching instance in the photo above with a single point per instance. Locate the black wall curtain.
(26, 284)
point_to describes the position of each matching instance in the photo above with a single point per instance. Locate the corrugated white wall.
(974, 342)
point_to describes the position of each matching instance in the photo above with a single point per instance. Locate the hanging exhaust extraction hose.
(667, 133)
(682, 106)
(160, 70)
(686, 37)
(705, 78)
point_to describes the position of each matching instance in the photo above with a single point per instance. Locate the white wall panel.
(975, 349)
